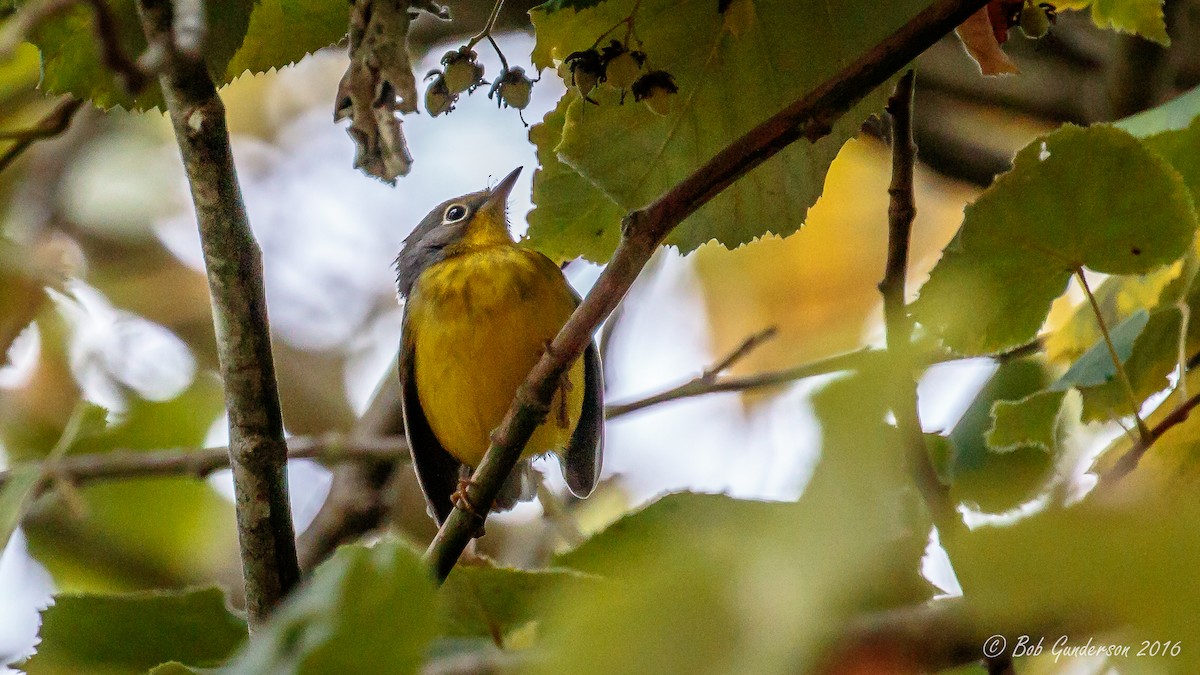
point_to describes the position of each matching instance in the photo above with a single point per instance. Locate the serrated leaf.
(1142, 17)
(727, 85)
(281, 32)
(1054, 212)
(485, 601)
(365, 610)
(571, 217)
(996, 482)
(172, 668)
(133, 632)
(1031, 422)
(71, 62)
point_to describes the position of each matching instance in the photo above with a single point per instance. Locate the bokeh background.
(131, 329)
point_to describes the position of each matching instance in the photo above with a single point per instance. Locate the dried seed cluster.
(622, 68)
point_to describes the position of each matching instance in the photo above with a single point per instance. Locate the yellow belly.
(479, 322)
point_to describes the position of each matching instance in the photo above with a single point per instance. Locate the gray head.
(434, 239)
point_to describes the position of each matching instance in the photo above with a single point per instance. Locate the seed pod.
(656, 89)
(512, 88)
(1036, 19)
(438, 98)
(586, 71)
(462, 73)
(621, 66)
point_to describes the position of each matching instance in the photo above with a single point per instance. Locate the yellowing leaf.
(1143, 17)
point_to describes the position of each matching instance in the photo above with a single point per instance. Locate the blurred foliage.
(689, 582)
(135, 632)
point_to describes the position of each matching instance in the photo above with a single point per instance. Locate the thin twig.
(1129, 461)
(487, 27)
(811, 117)
(1143, 430)
(98, 467)
(233, 262)
(54, 123)
(902, 211)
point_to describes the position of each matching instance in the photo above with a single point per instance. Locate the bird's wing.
(581, 461)
(437, 470)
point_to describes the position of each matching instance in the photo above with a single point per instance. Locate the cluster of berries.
(461, 73)
(623, 69)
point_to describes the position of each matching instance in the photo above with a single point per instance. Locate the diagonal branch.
(643, 230)
(233, 261)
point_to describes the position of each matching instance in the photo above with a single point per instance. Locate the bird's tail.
(521, 486)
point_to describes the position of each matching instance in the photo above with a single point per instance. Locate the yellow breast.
(479, 322)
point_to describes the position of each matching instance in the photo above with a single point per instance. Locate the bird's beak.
(498, 196)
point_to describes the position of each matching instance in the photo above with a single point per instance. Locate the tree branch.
(54, 123)
(902, 211)
(1129, 461)
(642, 231)
(935, 636)
(233, 260)
(200, 462)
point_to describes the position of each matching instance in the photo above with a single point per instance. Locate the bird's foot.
(461, 500)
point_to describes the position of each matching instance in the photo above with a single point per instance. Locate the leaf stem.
(1143, 430)
(487, 28)
(54, 123)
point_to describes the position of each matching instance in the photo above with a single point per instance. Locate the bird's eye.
(455, 213)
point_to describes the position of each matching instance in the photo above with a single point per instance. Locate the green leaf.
(71, 62)
(1031, 422)
(1119, 298)
(1173, 115)
(134, 632)
(1056, 211)
(1151, 358)
(996, 482)
(17, 491)
(1095, 367)
(571, 217)
(486, 601)
(1181, 147)
(1142, 17)
(555, 5)
(365, 610)
(282, 32)
(727, 84)
(172, 668)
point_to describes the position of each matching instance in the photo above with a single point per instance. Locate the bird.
(479, 311)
